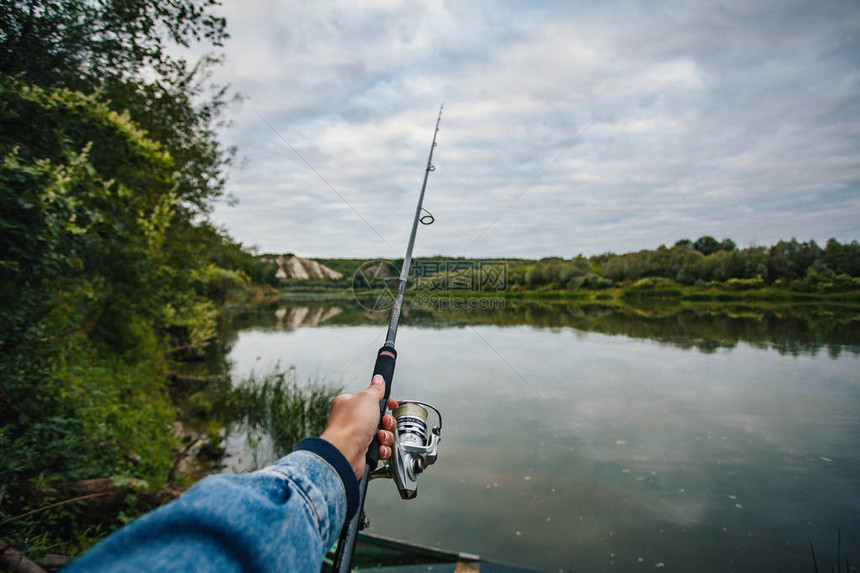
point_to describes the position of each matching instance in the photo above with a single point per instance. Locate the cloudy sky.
(569, 127)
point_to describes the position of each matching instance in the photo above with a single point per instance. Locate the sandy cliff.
(297, 268)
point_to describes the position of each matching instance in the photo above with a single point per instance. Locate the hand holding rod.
(386, 359)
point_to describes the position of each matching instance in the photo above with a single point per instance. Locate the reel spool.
(415, 446)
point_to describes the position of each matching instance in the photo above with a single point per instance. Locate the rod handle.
(386, 359)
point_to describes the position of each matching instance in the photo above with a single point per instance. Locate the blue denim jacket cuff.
(332, 455)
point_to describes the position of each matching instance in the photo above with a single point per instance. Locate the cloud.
(736, 120)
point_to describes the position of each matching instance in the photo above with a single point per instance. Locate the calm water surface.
(601, 439)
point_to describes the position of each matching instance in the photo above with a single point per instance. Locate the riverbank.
(667, 293)
(679, 293)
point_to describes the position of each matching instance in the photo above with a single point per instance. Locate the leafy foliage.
(93, 42)
(120, 50)
(86, 202)
(109, 164)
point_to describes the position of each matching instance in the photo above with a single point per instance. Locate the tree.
(791, 259)
(580, 266)
(707, 245)
(85, 197)
(843, 259)
(86, 45)
(119, 49)
(688, 265)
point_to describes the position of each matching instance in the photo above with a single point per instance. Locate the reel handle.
(386, 359)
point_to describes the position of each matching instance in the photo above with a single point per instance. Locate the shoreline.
(627, 296)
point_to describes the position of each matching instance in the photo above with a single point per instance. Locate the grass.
(280, 407)
(839, 559)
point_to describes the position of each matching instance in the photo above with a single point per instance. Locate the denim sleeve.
(282, 518)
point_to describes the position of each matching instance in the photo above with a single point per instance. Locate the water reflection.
(793, 330)
(292, 317)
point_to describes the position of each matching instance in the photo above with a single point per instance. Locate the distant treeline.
(787, 263)
(704, 262)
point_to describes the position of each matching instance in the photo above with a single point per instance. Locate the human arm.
(281, 518)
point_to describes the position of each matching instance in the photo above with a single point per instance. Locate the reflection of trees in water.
(801, 329)
(788, 330)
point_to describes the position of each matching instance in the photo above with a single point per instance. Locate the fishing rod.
(414, 447)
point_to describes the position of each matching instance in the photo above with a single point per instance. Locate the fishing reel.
(415, 446)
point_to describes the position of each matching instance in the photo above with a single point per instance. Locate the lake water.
(600, 438)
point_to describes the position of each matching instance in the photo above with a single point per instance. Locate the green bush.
(74, 412)
(651, 293)
(744, 284)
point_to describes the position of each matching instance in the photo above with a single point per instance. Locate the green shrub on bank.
(95, 285)
(744, 284)
(73, 411)
(109, 164)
